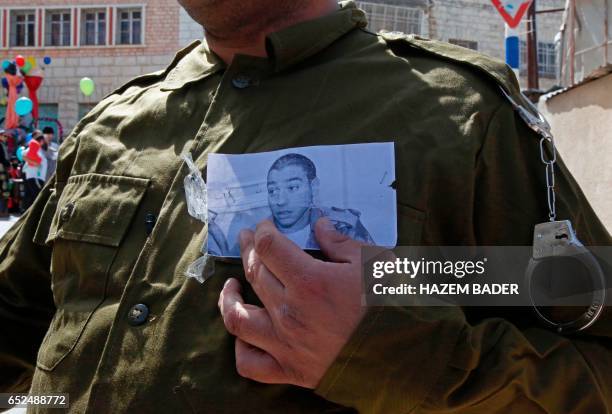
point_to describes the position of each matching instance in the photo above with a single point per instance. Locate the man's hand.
(311, 307)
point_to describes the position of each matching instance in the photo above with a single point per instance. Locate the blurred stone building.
(109, 41)
(581, 113)
(471, 23)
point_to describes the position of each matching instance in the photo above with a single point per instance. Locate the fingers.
(250, 323)
(258, 365)
(337, 246)
(267, 287)
(288, 262)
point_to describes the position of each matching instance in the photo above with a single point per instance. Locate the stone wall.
(167, 28)
(478, 21)
(581, 120)
(189, 30)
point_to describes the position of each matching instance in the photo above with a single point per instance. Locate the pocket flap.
(96, 208)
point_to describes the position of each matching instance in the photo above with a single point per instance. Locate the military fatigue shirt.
(468, 172)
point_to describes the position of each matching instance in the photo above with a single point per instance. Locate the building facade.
(112, 41)
(471, 23)
(580, 114)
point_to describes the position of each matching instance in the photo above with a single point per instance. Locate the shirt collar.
(303, 40)
(191, 64)
(286, 47)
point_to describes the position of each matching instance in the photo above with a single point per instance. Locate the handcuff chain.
(550, 177)
(542, 128)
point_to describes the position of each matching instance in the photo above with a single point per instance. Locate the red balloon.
(20, 61)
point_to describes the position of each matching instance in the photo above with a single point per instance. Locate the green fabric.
(468, 172)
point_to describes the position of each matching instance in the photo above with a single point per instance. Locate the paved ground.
(5, 224)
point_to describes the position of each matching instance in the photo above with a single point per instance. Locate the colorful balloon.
(47, 60)
(27, 67)
(87, 86)
(6, 64)
(20, 60)
(23, 106)
(11, 69)
(32, 61)
(5, 83)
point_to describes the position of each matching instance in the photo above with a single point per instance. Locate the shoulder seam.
(488, 66)
(157, 75)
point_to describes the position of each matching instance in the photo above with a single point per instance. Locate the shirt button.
(67, 212)
(241, 81)
(138, 314)
(150, 220)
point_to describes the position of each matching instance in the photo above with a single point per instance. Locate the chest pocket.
(88, 222)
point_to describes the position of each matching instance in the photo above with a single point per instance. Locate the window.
(129, 27)
(57, 28)
(547, 59)
(93, 27)
(392, 18)
(469, 44)
(23, 28)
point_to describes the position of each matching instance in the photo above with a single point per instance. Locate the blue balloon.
(5, 83)
(47, 60)
(28, 138)
(23, 106)
(6, 64)
(20, 154)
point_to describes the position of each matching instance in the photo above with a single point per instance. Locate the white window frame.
(76, 16)
(19, 10)
(547, 67)
(143, 10)
(2, 9)
(62, 10)
(82, 30)
(117, 32)
(544, 71)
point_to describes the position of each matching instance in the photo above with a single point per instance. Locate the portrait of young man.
(94, 301)
(292, 188)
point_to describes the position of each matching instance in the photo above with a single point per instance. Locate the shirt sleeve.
(485, 360)
(26, 303)
(26, 300)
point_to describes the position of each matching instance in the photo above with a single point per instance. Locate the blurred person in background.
(50, 148)
(4, 182)
(34, 168)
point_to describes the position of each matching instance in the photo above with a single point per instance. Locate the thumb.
(335, 245)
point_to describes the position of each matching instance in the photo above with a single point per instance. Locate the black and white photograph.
(348, 184)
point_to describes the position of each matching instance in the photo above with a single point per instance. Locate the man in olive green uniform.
(95, 303)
